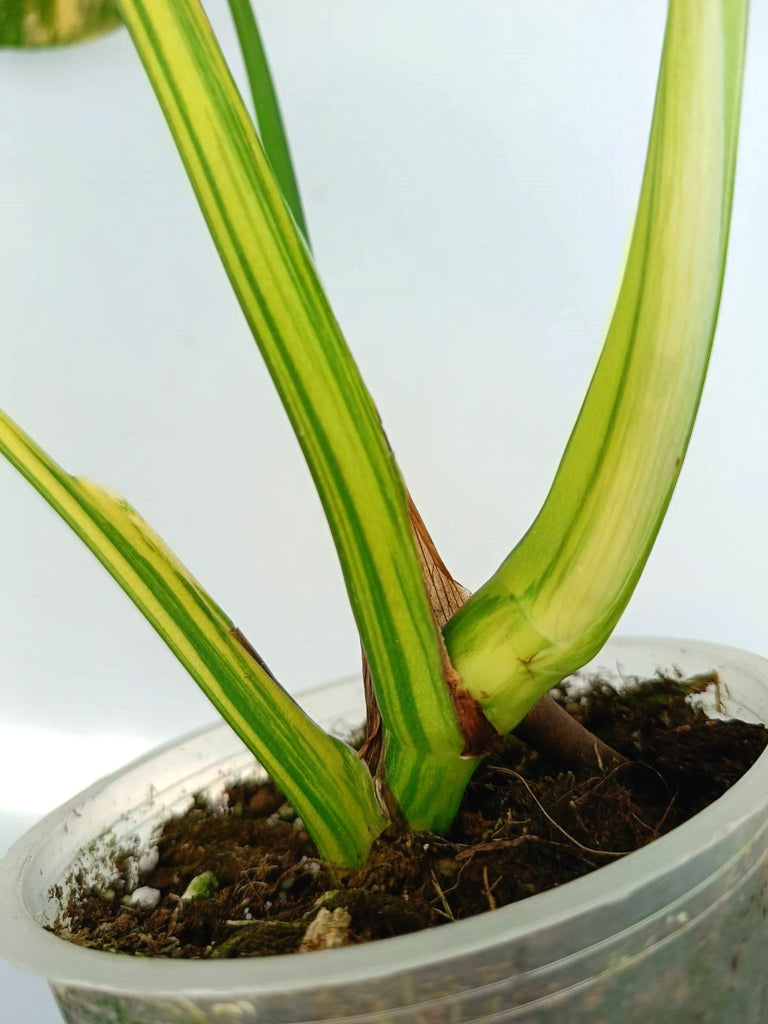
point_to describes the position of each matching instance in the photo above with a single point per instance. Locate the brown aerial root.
(549, 729)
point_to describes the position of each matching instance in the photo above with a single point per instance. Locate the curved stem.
(556, 599)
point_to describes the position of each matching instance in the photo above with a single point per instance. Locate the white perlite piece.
(327, 931)
(148, 861)
(145, 897)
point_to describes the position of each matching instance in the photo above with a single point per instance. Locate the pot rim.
(25, 943)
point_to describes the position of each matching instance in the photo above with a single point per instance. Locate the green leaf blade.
(325, 780)
(557, 597)
(267, 107)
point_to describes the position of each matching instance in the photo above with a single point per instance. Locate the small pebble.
(265, 800)
(202, 887)
(148, 861)
(285, 812)
(145, 897)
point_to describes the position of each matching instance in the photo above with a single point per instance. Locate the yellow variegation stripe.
(53, 22)
(555, 600)
(324, 779)
(359, 485)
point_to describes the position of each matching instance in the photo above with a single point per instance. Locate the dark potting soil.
(524, 826)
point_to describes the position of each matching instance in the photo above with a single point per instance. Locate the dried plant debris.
(246, 880)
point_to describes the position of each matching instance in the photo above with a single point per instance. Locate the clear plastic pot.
(675, 932)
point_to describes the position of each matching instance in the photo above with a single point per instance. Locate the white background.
(470, 171)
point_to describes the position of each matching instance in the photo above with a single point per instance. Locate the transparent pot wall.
(675, 932)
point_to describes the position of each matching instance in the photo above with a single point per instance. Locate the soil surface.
(524, 826)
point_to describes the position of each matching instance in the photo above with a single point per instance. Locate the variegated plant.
(446, 675)
(53, 22)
